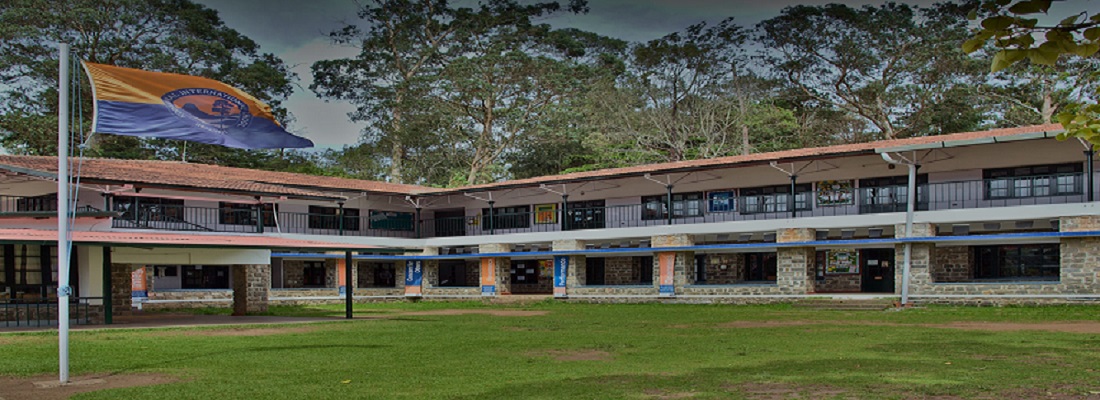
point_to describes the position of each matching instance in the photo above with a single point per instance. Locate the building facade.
(1001, 216)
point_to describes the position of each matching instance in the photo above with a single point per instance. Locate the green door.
(878, 270)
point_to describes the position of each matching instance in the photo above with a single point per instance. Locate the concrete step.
(844, 305)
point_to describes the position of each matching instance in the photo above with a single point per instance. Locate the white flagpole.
(63, 289)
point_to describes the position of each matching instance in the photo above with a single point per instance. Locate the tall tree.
(160, 35)
(893, 65)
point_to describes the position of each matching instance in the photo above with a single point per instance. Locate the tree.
(160, 35)
(1013, 27)
(894, 66)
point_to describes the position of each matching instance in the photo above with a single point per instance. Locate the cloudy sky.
(295, 30)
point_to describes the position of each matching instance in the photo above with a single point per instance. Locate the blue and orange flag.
(133, 102)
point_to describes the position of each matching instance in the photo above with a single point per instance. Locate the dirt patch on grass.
(44, 387)
(764, 324)
(495, 313)
(240, 331)
(664, 394)
(782, 391)
(574, 355)
(1066, 327)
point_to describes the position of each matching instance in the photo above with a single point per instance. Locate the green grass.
(641, 351)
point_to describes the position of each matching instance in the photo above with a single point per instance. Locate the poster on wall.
(488, 277)
(138, 288)
(666, 263)
(414, 276)
(842, 261)
(835, 193)
(340, 277)
(561, 271)
(546, 213)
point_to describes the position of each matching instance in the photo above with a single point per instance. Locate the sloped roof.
(202, 176)
(183, 240)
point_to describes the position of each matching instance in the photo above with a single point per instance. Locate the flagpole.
(63, 289)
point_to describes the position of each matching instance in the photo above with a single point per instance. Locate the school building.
(1000, 216)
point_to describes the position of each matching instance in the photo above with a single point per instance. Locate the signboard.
(341, 276)
(842, 261)
(546, 213)
(561, 271)
(138, 286)
(835, 193)
(666, 263)
(414, 276)
(488, 276)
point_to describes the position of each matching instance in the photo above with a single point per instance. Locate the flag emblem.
(133, 102)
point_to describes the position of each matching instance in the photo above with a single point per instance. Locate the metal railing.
(37, 204)
(40, 312)
(984, 193)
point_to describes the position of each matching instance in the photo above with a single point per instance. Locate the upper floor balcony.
(819, 199)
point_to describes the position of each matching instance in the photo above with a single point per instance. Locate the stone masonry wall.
(838, 284)
(794, 269)
(622, 270)
(121, 304)
(251, 288)
(953, 264)
(724, 269)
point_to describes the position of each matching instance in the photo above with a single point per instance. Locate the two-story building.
(1000, 216)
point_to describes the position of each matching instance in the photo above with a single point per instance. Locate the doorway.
(878, 270)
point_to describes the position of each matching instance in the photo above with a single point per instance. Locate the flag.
(133, 102)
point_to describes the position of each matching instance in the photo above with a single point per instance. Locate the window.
(646, 276)
(205, 277)
(771, 199)
(525, 272)
(313, 274)
(700, 268)
(29, 270)
(585, 215)
(1034, 181)
(1021, 262)
(683, 205)
(149, 208)
(452, 273)
(514, 217)
(891, 194)
(391, 220)
(724, 201)
(38, 203)
(245, 214)
(760, 267)
(328, 218)
(384, 275)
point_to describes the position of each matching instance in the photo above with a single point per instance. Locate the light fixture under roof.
(960, 230)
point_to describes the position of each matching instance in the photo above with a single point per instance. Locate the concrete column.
(121, 280)
(251, 288)
(920, 272)
(682, 261)
(501, 269)
(575, 275)
(795, 265)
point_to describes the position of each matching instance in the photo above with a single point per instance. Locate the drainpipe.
(910, 207)
(1088, 165)
(669, 204)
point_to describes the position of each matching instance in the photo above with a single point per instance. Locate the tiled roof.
(177, 239)
(759, 158)
(201, 176)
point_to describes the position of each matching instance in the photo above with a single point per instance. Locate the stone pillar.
(1079, 259)
(251, 288)
(577, 264)
(795, 265)
(501, 269)
(920, 272)
(682, 261)
(121, 276)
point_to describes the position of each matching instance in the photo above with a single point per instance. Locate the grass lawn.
(592, 351)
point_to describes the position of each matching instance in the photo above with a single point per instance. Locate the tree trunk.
(745, 149)
(1047, 110)
(397, 156)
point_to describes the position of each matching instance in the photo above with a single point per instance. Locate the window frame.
(1024, 182)
(384, 220)
(244, 214)
(323, 217)
(684, 205)
(510, 217)
(991, 262)
(150, 208)
(775, 197)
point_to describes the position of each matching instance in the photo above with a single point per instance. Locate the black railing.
(36, 205)
(1046, 189)
(40, 312)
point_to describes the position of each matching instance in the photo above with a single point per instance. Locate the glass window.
(38, 203)
(683, 205)
(514, 217)
(313, 274)
(205, 277)
(760, 267)
(1035, 261)
(1033, 181)
(328, 218)
(723, 201)
(771, 199)
(391, 220)
(245, 214)
(525, 272)
(149, 208)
